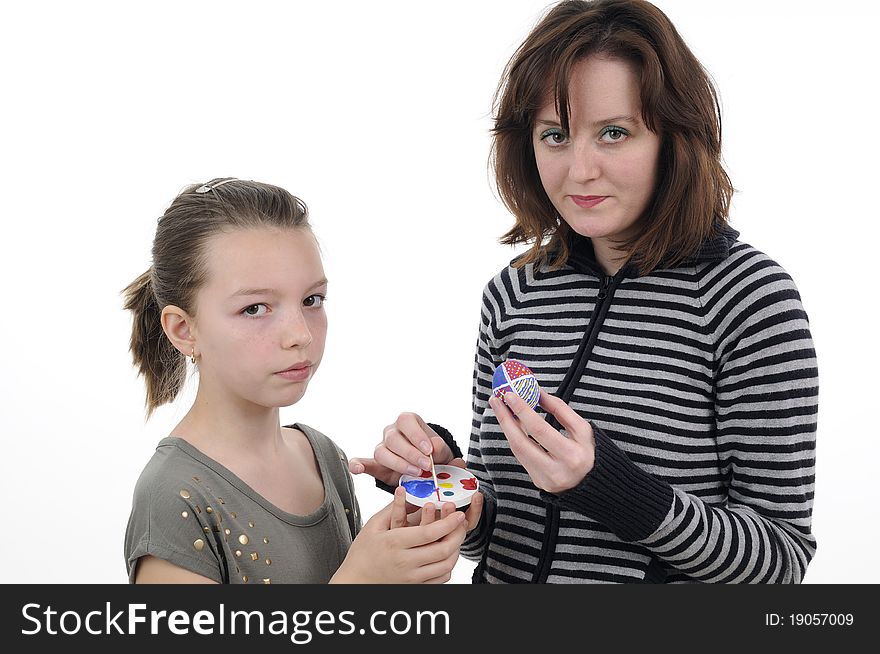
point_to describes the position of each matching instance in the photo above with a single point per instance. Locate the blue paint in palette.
(419, 487)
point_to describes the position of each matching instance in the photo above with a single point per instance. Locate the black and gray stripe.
(701, 384)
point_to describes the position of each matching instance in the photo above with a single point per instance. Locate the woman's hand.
(555, 463)
(389, 551)
(404, 449)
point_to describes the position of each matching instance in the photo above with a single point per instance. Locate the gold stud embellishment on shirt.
(268, 561)
(195, 478)
(227, 531)
(254, 556)
(237, 552)
(243, 539)
(207, 530)
(244, 579)
(233, 515)
(184, 514)
(184, 494)
(266, 540)
(199, 544)
(198, 509)
(209, 509)
(251, 525)
(220, 499)
(267, 581)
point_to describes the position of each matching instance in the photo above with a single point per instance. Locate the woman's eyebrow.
(615, 119)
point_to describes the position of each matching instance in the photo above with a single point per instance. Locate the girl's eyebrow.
(272, 291)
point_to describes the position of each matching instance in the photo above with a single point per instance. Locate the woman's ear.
(179, 327)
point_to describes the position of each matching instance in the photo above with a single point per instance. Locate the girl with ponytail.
(237, 287)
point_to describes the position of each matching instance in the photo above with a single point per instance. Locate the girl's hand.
(388, 551)
(555, 463)
(404, 449)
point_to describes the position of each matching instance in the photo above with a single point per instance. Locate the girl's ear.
(179, 326)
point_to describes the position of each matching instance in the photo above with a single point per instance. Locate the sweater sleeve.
(766, 392)
(485, 362)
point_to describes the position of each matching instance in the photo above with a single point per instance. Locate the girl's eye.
(613, 134)
(553, 137)
(254, 310)
(314, 301)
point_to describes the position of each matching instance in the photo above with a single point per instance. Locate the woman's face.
(261, 313)
(602, 174)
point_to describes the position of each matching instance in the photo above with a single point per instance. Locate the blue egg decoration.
(514, 376)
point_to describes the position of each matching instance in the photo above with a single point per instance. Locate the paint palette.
(457, 485)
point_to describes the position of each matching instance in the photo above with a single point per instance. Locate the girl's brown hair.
(179, 268)
(679, 103)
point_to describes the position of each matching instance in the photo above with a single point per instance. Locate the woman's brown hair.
(179, 268)
(679, 103)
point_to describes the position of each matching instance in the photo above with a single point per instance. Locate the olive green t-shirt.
(193, 512)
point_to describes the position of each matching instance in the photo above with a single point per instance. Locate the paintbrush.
(436, 485)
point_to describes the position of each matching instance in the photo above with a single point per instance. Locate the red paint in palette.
(443, 475)
(425, 474)
(469, 484)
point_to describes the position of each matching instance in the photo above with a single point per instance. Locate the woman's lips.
(588, 201)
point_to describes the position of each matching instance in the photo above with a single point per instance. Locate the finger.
(446, 509)
(442, 453)
(398, 508)
(474, 511)
(535, 426)
(359, 466)
(385, 457)
(399, 444)
(429, 514)
(416, 431)
(445, 549)
(527, 452)
(381, 520)
(442, 579)
(574, 424)
(438, 569)
(423, 534)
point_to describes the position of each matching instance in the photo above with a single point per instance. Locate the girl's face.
(602, 174)
(260, 324)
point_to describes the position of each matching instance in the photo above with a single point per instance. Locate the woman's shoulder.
(745, 270)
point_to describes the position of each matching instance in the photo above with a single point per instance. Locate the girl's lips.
(296, 374)
(588, 201)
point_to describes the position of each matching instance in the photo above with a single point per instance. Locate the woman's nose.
(584, 163)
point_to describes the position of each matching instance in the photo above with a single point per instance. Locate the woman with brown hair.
(678, 373)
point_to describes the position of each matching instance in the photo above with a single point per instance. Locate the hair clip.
(204, 188)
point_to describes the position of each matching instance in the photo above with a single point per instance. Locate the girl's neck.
(223, 426)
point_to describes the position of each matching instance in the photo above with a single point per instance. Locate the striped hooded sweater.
(700, 382)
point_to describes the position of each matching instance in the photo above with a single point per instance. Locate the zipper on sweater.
(565, 392)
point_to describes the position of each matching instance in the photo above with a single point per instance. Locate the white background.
(377, 115)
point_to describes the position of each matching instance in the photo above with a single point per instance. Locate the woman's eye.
(614, 134)
(553, 137)
(314, 301)
(254, 310)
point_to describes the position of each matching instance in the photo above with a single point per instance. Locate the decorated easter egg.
(454, 484)
(517, 377)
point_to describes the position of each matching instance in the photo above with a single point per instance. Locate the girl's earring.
(193, 356)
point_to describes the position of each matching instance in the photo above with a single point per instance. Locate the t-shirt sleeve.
(167, 521)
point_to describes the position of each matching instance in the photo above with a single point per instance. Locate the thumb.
(381, 520)
(357, 466)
